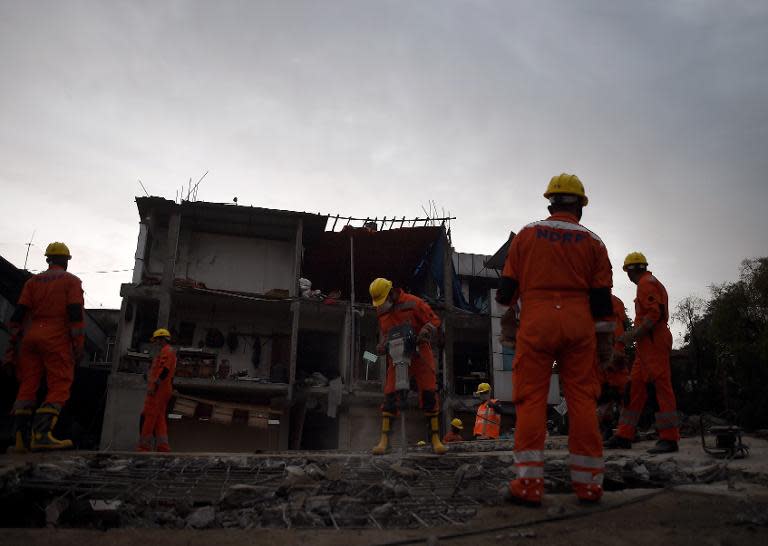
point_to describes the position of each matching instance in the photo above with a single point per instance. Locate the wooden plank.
(295, 313)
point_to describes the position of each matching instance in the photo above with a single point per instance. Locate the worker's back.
(47, 296)
(557, 255)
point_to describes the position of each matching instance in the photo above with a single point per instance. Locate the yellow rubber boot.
(386, 428)
(45, 421)
(434, 429)
(22, 423)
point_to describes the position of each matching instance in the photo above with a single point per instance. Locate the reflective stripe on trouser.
(629, 417)
(668, 427)
(669, 419)
(562, 328)
(586, 470)
(23, 405)
(529, 464)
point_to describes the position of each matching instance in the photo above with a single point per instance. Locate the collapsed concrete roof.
(230, 218)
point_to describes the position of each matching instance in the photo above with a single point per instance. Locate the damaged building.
(273, 327)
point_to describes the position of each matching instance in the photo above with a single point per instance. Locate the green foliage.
(726, 343)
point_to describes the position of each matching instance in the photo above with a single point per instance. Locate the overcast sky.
(374, 108)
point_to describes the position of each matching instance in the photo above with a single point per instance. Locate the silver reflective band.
(605, 327)
(530, 471)
(557, 224)
(579, 476)
(529, 456)
(586, 461)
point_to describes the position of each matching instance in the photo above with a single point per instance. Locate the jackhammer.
(401, 347)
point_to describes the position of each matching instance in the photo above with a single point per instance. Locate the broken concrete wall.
(157, 250)
(125, 400)
(228, 262)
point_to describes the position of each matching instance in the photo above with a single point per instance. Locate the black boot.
(46, 417)
(664, 446)
(617, 442)
(22, 429)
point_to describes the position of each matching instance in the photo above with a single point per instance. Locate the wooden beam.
(297, 258)
(447, 273)
(295, 311)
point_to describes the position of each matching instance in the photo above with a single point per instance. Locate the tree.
(727, 341)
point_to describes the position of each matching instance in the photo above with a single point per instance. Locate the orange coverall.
(652, 363)
(452, 437)
(416, 312)
(159, 391)
(52, 333)
(557, 264)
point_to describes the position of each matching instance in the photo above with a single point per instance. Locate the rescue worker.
(615, 377)
(654, 344)
(47, 340)
(561, 273)
(488, 417)
(395, 307)
(159, 390)
(455, 433)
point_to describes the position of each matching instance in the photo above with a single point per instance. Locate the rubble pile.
(343, 491)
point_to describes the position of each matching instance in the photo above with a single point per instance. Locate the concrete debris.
(164, 518)
(384, 512)
(519, 534)
(556, 510)
(641, 471)
(319, 504)
(105, 505)
(54, 510)
(468, 472)
(245, 495)
(753, 514)
(201, 518)
(350, 511)
(404, 471)
(305, 491)
(333, 472)
(314, 471)
(295, 475)
(58, 471)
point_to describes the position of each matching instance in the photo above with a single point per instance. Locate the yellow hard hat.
(483, 388)
(568, 184)
(161, 332)
(421, 443)
(57, 249)
(456, 422)
(634, 258)
(379, 290)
